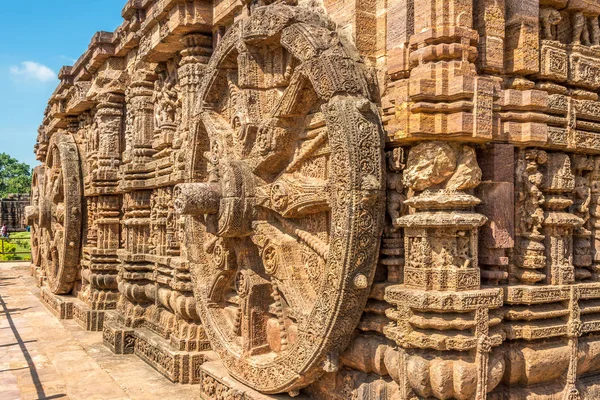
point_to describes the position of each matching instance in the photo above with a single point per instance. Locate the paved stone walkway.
(44, 358)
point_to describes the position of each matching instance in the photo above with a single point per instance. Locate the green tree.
(9, 251)
(15, 176)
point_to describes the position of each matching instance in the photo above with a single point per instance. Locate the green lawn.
(18, 242)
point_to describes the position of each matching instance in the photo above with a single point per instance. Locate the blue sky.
(38, 38)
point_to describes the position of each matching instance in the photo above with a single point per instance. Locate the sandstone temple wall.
(385, 199)
(12, 212)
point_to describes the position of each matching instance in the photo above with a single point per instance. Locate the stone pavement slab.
(44, 358)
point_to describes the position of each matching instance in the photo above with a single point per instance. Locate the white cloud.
(68, 59)
(33, 71)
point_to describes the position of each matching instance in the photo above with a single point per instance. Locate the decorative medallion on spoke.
(285, 221)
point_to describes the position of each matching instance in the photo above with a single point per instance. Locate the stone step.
(59, 305)
(88, 319)
(70, 307)
(119, 339)
(156, 351)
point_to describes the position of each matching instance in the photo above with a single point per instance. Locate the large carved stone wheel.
(285, 225)
(33, 213)
(61, 213)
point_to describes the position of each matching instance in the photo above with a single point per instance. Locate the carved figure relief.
(165, 99)
(530, 216)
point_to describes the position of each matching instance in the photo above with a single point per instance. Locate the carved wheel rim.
(37, 193)
(60, 214)
(292, 199)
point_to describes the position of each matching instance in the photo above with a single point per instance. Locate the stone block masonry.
(383, 200)
(12, 212)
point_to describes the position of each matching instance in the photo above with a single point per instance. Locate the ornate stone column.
(175, 289)
(582, 202)
(139, 121)
(194, 57)
(105, 206)
(166, 106)
(558, 225)
(136, 274)
(445, 326)
(441, 276)
(136, 277)
(530, 263)
(595, 216)
(108, 120)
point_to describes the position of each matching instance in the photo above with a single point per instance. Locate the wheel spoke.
(310, 240)
(307, 151)
(254, 301)
(294, 196)
(283, 263)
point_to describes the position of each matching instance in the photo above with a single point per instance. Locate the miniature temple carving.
(378, 201)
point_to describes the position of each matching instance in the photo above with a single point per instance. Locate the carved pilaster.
(192, 66)
(441, 276)
(136, 277)
(139, 119)
(108, 122)
(582, 201)
(84, 138)
(194, 57)
(558, 225)
(530, 259)
(136, 224)
(545, 225)
(574, 331)
(104, 205)
(441, 236)
(392, 244)
(595, 216)
(159, 211)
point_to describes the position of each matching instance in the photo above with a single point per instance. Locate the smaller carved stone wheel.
(61, 213)
(33, 213)
(286, 222)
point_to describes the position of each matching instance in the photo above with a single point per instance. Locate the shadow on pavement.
(30, 364)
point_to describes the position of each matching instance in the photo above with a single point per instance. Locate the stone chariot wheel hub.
(283, 225)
